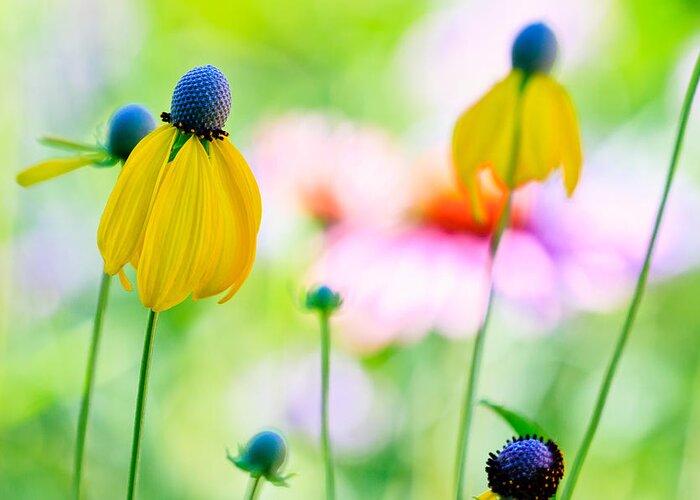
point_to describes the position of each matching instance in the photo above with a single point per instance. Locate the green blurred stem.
(89, 384)
(254, 487)
(638, 292)
(469, 402)
(141, 402)
(325, 379)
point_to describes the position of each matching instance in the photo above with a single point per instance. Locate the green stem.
(253, 488)
(638, 292)
(141, 402)
(89, 384)
(325, 376)
(469, 401)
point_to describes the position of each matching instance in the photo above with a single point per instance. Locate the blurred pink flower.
(558, 257)
(330, 169)
(401, 247)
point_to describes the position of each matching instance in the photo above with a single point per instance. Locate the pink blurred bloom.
(401, 247)
(330, 169)
(558, 257)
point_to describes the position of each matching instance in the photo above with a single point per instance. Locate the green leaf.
(65, 144)
(521, 425)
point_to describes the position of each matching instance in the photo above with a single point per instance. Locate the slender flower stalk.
(325, 301)
(325, 376)
(141, 402)
(469, 402)
(253, 488)
(89, 383)
(638, 292)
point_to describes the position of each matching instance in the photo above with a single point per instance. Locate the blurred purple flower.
(359, 408)
(54, 261)
(448, 59)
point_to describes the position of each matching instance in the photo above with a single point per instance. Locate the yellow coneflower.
(530, 102)
(186, 209)
(522, 130)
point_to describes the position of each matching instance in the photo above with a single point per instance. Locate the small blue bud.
(128, 125)
(263, 456)
(526, 468)
(535, 49)
(201, 102)
(322, 298)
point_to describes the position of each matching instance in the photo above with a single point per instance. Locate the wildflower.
(557, 257)
(527, 116)
(263, 456)
(329, 170)
(526, 468)
(186, 209)
(128, 125)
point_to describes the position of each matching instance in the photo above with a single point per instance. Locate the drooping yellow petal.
(569, 137)
(53, 168)
(126, 284)
(539, 151)
(230, 233)
(488, 495)
(240, 170)
(174, 254)
(483, 136)
(240, 215)
(124, 218)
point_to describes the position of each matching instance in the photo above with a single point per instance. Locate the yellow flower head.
(128, 125)
(523, 128)
(185, 211)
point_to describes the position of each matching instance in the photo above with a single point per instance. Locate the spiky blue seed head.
(264, 454)
(201, 100)
(535, 49)
(322, 298)
(523, 458)
(526, 469)
(128, 125)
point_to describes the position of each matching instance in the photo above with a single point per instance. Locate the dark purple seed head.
(526, 468)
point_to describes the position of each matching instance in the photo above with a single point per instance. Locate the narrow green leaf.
(66, 145)
(521, 425)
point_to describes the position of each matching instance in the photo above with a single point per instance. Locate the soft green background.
(67, 64)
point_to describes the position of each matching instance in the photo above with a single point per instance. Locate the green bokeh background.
(68, 64)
